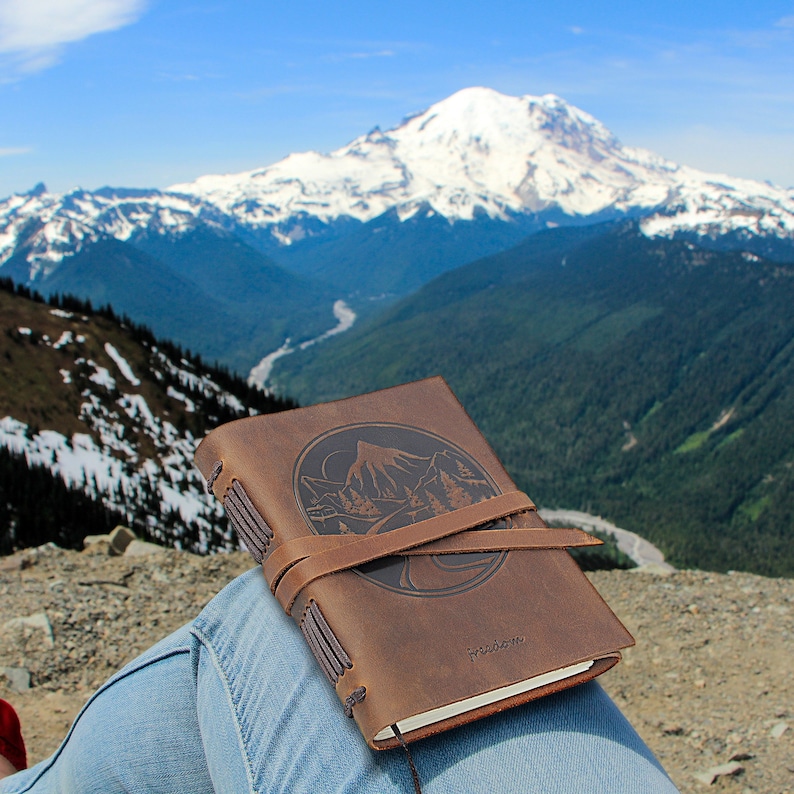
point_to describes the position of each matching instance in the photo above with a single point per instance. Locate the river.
(260, 374)
(643, 552)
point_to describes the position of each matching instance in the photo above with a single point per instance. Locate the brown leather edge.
(600, 665)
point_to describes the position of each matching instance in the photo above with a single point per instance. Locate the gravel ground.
(708, 686)
(709, 683)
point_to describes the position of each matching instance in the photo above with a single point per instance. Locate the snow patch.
(64, 339)
(121, 363)
(190, 406)
(136, 407)
(101, 376)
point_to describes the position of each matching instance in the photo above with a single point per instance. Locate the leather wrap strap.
(296, 563)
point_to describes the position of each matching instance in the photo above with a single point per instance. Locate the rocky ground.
(709, 685)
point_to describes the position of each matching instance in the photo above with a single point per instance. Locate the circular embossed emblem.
(370, 478)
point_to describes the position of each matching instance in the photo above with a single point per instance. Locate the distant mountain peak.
(476, 153)
(480, 150)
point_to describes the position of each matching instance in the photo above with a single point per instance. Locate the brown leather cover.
(455, 608)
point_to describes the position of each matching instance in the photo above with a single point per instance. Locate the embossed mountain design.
(385, 488)
(453, 482)
(371, 469)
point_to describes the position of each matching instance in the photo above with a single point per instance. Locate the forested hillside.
(203, 288)
(648, 380)
(98, 424)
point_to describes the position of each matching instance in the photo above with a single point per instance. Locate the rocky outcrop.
(708, 686)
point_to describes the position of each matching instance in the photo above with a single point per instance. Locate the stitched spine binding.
(250, 526)
(324, 645)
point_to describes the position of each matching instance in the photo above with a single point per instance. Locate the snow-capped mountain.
(501, 155)
(476, 153)
(46, 227)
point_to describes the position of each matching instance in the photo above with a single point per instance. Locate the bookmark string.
(414, 773)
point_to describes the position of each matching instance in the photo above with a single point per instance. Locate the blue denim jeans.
(234, 702)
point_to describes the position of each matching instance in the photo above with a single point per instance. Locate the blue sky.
(146, 93)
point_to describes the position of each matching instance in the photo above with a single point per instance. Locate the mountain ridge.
(482, 149)
(100, 404)
(476, 151)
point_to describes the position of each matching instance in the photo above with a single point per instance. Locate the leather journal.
(426, 585)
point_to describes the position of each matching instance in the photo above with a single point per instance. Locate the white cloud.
(379, 54)
(10, 151)
(34, 30)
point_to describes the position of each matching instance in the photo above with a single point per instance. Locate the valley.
(649, 381)
(618, 324)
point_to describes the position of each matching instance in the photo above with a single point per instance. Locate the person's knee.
(138, 733)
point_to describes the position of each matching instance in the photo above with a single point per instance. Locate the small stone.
(97, 545)
(37, 621)
(18, 678)
(778, 730)
(139, 548)
(723, 770)
(120, 538)
(46, 550)
(90, 540)
(12, 563)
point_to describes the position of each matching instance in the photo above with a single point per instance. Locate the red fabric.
(11, 744)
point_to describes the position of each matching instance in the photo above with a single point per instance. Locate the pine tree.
(435, 504)
(346, 503)
(413, 498)
(344, 529)
(456, 496)
(363, 505)
(464, 471)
